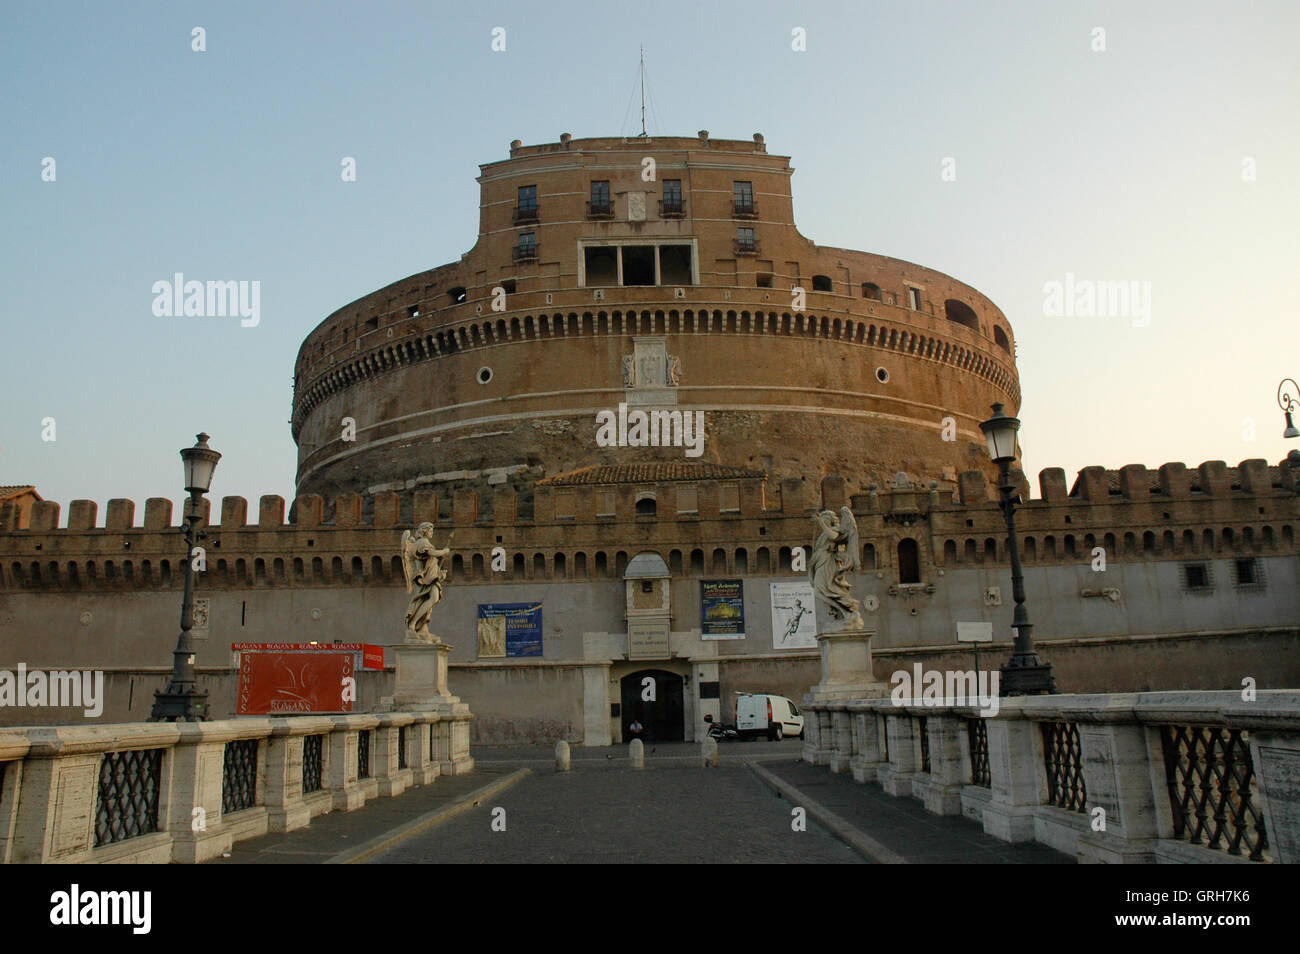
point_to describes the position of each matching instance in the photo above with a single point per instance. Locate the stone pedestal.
(846, 668)
(421, 686)
(421, 677)
(846, 677)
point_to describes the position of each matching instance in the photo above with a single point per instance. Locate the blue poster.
(722, 609)
(522, 623)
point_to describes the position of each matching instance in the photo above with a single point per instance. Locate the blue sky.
(1117, 165)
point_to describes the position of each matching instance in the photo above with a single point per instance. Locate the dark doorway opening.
(663, 718)
(675, 264)
(602, 266)
(909, 561)
(638, 265)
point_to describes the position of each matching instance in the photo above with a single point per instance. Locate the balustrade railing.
(1213, 793)
(239, 776)
(977, 734)
(145, 792)
(127, 806)
(1139, 777)
(313, 763)
(1063, 760)
(363, 754)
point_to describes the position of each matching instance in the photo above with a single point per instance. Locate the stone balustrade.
(186, 792)
(1170, 777)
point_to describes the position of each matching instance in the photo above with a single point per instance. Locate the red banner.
(372, 657)
(275, 683)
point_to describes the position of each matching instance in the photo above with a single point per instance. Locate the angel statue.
(425, 575)
(834, 554)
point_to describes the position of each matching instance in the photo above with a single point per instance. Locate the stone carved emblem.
(674, 370)
(199, 618)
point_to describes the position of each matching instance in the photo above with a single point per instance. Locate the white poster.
(794, 616)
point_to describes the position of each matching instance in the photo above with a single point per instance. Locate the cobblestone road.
(612, 814)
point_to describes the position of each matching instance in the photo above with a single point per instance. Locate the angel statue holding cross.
(834, 554)
(422, 564)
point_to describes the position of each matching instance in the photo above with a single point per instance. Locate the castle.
(665, 277)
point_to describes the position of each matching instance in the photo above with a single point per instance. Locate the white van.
(773, 716)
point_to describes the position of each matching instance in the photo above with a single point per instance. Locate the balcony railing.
(524, 253)
(671, 208)
(525, 213)
(600, 209)
(744, 210)
(746, 248)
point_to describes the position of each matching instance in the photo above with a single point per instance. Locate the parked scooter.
(721, 732)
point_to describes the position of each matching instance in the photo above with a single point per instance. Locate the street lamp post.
(1286, 400)
(182, 701)
(1024, 675)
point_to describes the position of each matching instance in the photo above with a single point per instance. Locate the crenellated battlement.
(580, 527)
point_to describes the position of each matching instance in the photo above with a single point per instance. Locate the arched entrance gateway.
(662, 715)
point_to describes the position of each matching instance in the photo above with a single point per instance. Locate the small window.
(526, 204)
(1001, 339)
(372, 323)
(882, 375)
(871, 291)
(745, 241)
(763, 280)
(822, 283)
(742, 198)
(527, 247)
(456, 295)
(646, 507)
(672, 200)
(601, 203)
(961, 313)
(1196, 576)
(1247, 571)
(647, 586)
(508, 286)
(413, 311)
(564, 505)
(914, 298)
